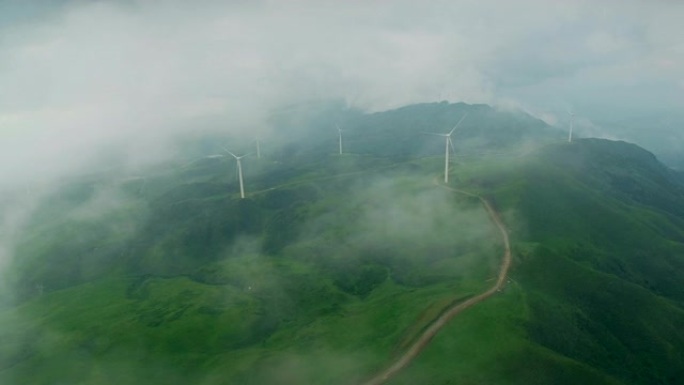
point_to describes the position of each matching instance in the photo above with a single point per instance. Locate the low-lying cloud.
(82, 77)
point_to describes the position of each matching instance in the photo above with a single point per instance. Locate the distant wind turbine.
(572, 122)
(448, 143)
(239, 167)
(339, 131)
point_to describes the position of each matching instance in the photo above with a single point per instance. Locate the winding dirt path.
(440, 322)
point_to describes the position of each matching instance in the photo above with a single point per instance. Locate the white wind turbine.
(572, 123)
(339, 131)
(448, 143)
(239, 167)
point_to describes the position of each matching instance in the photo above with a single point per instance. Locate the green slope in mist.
(596, 293)
(334, 264)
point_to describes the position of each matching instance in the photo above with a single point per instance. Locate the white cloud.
(99, 74)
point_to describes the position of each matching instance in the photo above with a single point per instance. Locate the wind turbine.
(572, 122)
(448, 143)
(339, 131)
(239, 167)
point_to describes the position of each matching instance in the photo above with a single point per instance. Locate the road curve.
(442, 320)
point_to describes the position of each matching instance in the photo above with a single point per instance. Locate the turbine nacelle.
(234, 156)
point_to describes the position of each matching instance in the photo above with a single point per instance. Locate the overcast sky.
(80, 76)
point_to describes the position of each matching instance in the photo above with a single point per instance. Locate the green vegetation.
(333, 265)
(212, 287)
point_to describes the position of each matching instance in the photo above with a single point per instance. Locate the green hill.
(334, 264)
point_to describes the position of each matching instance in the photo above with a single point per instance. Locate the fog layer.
(82, 78)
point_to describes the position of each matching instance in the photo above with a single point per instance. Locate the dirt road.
(440, 322)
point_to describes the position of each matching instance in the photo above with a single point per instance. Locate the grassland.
(317, 271)
(329, 270)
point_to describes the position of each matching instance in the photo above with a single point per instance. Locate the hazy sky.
(77, 77)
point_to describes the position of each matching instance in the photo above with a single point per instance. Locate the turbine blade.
(451, 143)
(457, 124)
(228, 151)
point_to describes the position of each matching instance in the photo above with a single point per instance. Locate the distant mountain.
(311, 131)
(660, 132)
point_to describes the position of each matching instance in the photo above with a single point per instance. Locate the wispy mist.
(82, 77)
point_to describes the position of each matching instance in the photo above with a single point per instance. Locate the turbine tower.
(339, 131)
(448, 143)
(572, 122)
(239, 167)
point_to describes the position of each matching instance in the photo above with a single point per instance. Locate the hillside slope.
(596, 287)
